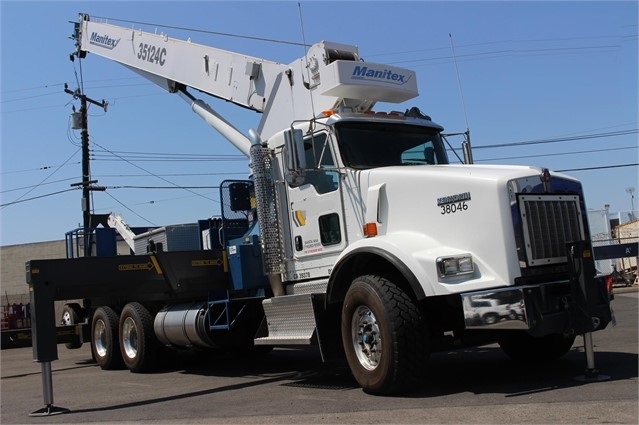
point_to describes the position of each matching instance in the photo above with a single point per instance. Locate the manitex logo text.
(103, 41)
(366, 73)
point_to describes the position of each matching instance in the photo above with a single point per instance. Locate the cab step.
(290, 320)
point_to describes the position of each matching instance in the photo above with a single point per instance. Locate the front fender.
(387, 253)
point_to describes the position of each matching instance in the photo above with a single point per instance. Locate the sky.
(549, 84)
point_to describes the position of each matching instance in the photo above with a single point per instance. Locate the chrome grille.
(549, 222)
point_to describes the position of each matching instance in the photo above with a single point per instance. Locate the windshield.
(369, 145)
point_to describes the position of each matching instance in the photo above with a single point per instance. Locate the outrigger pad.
(50, 410)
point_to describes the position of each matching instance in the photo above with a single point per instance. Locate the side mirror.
(240, 196)
(295, 157)
(294, 145)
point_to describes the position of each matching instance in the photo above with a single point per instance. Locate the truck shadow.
(477, 370)
(488, 370)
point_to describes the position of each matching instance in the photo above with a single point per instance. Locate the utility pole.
(86, 184)
(631, 191)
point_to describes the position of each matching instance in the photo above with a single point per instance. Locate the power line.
(225, 34)
(28, 97)
(560, 139)
(153, 174)
(462, 46)
(168, 159)
(19, 200)
(159, 156)
(44, 167)
(130, 210)
(603, 167)
(162, 187)
(170, 175)
(152, 202)
(41, 182)
(557, 154)
(46, 86)
(147, 154)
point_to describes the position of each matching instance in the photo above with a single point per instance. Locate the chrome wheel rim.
(130, 338)
(100, 338)
(366, 337)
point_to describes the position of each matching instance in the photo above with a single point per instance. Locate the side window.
(330, 233)
(320, 164)
(318, 153)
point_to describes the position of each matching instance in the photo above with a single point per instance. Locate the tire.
(490, 318)
(71, 314)
(384, 337)
(528, 349)
(138, 343)
(105, 346)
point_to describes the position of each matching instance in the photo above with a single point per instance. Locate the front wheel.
(137, 338)
(529, 349)
(384, 336)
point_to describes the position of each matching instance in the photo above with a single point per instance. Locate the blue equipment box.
(245, 265)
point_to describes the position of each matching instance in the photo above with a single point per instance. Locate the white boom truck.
(372, 246)
(116, 222)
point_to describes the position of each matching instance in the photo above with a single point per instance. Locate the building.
(15, 291)
(608, 228)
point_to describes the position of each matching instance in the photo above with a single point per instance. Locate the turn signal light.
(370, 230)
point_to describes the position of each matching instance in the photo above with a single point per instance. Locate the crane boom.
(116, 222)
(169, 62)
(330, 75)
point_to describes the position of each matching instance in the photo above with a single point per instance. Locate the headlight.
(455, 266)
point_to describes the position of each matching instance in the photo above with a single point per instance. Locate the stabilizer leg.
(47, 390)
(591, 374)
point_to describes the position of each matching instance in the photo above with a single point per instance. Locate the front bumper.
(541, 309)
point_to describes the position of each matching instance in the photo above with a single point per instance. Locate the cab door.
(316, 212)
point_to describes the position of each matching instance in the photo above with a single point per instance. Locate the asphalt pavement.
(471, 386)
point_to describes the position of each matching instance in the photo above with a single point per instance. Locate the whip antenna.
(468, 155)
(308, 74)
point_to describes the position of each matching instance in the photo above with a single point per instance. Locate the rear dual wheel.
(125, 341)
(138, 344)
(105, 345)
